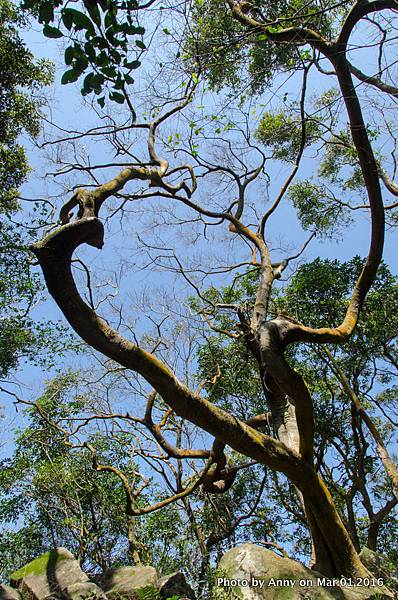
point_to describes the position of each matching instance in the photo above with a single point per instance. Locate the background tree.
(22, 80)
(53, 491)
(51, 495)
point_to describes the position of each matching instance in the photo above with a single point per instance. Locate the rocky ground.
(247, 572)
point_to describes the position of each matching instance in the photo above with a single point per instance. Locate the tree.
(50, 487)
(52, 496)
(22, 79)
(350, 382)
(261, 41)
(51, 491)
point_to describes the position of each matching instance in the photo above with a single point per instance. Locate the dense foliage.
(21, 82)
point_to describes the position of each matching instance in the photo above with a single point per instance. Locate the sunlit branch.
(171, 451)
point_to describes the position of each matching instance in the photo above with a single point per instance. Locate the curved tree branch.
(358, 11)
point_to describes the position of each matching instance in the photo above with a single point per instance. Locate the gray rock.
(9, 593)
(252, 573)
(125, 581)
(83, 590)
(175, 585)
(47, 575)
(377, 563)
(380, 565)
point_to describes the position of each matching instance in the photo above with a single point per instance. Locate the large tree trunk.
(286, 430)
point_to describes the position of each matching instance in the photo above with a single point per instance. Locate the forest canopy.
(216, 196)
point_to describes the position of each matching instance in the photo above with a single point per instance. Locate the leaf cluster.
(21, 77)
(20, 335)
(100, 42)
(224, 49)
(283, 132)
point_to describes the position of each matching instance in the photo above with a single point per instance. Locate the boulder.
(9, 593)
(378, 564)
(175, 585)
(47, 575)
(252, 573)
(82, 590)
(125, 581)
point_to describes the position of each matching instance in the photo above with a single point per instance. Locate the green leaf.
(101, 101)
(46, 12)
(87, 84)
(93, 11)
(67, 18)
(70, 76)
(81, 63)
(119, 84)
(132, 29)
(129, 80)
(79, 19)
(110, 18)
(69, 55)
(115, 56)
(116, 97)
(102, 59)
(132, 65)
(140, 44)
(28, 4)
(52, 32)
(109, 72)
(167, 31)
(90, 52)
(99, 42)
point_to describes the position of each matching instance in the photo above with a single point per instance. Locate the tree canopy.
(22, 80)
(251, 136)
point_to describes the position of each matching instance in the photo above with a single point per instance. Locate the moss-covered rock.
(40, 564)
(49, 574)
(249, 572)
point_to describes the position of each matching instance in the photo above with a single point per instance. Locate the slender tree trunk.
(204, 550)
(133, 549)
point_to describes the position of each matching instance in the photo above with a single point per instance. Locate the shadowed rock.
(9, 593)
(175, 585)
(83, 590)
(125, 582)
